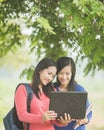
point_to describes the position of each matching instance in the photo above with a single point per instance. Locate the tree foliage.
(58, 27)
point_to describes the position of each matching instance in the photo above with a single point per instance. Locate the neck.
(63, 88)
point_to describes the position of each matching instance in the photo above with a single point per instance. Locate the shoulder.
(20, 88)
(78, 87)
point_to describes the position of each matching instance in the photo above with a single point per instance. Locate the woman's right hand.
(49, 115)
(65, 120)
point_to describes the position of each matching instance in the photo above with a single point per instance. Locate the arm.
(88, 110)
(38, 115)
(21, 107)
(86, 119)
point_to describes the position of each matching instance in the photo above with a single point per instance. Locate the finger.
(61, 118)
(50, 112)
(69, 117)
(65, 116)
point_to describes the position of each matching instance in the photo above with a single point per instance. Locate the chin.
(45, 83)
(64, 84)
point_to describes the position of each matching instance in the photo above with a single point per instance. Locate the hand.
(49, 115)
(67, 119)
(85, 120)
(80, 122)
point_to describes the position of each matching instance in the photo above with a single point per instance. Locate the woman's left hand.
(82, 121)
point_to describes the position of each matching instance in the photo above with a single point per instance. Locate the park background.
(14, 65)
(32, 29)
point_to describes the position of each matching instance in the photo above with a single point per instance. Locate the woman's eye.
(53, 76)
(49, 73)
(67, 73)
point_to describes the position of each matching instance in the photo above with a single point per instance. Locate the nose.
(64, 76)
(50, 78)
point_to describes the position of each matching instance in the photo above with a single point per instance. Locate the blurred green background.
(30, 30)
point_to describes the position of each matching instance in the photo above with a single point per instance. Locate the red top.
(37, 108)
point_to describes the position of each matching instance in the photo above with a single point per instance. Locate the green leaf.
(45, 24)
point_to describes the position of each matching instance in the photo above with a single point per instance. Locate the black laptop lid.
(71, 102)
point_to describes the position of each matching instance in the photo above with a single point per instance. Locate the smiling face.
(64, 76)
(47, 75)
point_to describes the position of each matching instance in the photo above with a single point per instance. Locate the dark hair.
(43, 64)
(61, 63)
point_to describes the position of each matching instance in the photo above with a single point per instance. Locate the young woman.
(39, 118)
(66, 82)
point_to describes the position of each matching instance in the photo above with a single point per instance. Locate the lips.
(63, 80)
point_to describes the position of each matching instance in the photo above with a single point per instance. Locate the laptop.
(70, 102)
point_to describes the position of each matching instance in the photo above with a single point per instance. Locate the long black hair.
(63, 62)
(43, 64)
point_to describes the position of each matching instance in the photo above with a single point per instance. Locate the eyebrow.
(64, 72)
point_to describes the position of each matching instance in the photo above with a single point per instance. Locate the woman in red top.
(40, 117)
